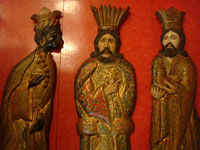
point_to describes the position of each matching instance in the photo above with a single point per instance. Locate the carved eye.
(111, 40)
(165, 37)
(52, 35)
(103, 40)
(173, 37)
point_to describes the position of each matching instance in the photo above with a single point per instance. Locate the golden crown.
(171, 18)
(109, 18)
(46, 18)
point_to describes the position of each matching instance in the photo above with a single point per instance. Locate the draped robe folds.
(174, 122)
(21, 105)
(105, 121)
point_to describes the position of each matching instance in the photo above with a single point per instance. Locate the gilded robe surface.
(105, 122)
(175, 123)
(25, 107)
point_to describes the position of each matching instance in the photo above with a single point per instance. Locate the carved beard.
(109, 59)
(169, 52)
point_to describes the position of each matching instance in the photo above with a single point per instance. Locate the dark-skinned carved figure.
(26, 108)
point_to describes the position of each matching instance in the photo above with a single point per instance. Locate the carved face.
(171, 38)
(107, 41)
(54, 39)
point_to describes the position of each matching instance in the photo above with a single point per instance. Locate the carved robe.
(105, 122)
(23, 107)
(175, 123)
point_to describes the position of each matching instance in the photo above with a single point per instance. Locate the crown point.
(46, 18)
(108, 17)
(128, 8)
(171, 18)
(45, 11)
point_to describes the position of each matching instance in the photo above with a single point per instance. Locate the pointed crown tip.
(108, 17)
(46, 18)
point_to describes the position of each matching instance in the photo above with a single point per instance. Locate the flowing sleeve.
(159, 112)
(126, 100)
(186, 90)
(128, 90)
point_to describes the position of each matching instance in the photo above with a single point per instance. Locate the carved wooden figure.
(105, 88)
(174, 122)
(26, 109)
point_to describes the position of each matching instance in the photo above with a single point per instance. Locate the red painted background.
(140, 36)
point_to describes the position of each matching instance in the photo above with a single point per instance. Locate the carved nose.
(107, 44)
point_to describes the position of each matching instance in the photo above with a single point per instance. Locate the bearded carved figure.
(105, 88)
(175, 123)
(26, 109)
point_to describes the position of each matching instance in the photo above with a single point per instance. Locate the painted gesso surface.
(140, 36)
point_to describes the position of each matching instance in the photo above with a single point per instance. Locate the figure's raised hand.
(112, 87)
(157, 92)
(39, 125)
(172, 88)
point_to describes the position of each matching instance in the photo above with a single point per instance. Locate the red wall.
(140, 36)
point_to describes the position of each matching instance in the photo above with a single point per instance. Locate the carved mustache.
(166, 46)
(106, 50)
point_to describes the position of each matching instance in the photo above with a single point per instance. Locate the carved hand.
(171, 88)
(39, 125)
(157, 92)
(112, 87)
(38, 121)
